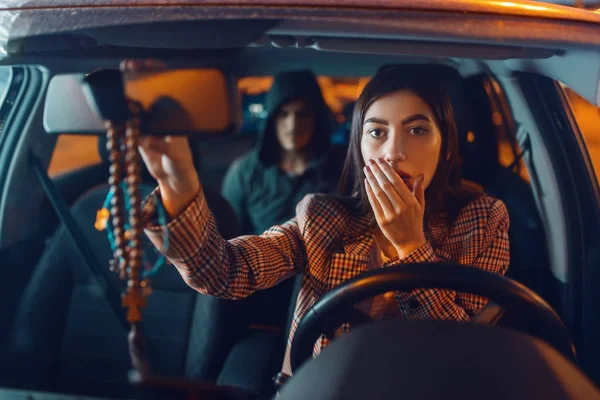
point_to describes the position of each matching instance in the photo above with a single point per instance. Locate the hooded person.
(292, 157)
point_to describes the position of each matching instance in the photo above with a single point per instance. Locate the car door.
(574, 293)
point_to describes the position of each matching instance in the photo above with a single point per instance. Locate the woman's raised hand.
(169, 160)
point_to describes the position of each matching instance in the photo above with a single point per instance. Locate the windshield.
(339, 154)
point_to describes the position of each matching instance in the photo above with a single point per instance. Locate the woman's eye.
(417, 131)
(376, 133)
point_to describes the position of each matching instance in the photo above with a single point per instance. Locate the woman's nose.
(391, 159)
(395, 152)
(394, 155)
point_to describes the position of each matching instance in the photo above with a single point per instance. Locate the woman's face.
(401, 129)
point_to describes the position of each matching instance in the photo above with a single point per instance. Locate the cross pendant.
(134, 300)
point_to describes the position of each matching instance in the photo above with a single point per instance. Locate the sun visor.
(183, 34)
(30, 30)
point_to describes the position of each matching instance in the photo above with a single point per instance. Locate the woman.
(400, 201)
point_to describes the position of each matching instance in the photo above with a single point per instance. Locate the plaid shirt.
(328, 246)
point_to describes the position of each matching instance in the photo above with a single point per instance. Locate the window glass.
(11, 80)
(73, 152)
(4, 79)
(340, 95)
(587, 117)
(509, 151)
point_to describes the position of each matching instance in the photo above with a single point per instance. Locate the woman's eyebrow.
(377, 121)
(415, 117)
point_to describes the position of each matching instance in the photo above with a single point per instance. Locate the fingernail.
(372, 162)
(380, 161)
(367, 168)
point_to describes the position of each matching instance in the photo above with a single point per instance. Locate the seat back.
(67, 338)
(480, 152)
(215, 155)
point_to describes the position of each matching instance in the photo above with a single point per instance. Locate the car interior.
(63, 336)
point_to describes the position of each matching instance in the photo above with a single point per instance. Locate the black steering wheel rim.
(509, 294)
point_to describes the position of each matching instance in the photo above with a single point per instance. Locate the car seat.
(257, 357)
(479, 149)
(66, 338)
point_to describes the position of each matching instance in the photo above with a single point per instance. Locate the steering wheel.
(337, 306)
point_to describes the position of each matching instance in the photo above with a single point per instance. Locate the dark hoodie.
(261, 193)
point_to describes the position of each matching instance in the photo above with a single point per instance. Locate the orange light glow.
(510, 4)
(336, 92)
(497, 118)
(470, 137)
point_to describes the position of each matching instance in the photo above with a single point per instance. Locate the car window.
(509, 151)
(4, 80)
(340, 95)
(10, 83)
(587, 117)
(73, 152)
(5, 74)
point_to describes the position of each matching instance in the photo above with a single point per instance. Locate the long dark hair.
(445, 195)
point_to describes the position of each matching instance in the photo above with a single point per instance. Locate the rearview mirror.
(175, 102)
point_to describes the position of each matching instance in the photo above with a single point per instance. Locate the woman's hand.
(398, 211)
(170, 162)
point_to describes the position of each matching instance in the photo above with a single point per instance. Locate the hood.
(295, 85)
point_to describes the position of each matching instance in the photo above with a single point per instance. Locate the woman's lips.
(406, 177)
(402, 174)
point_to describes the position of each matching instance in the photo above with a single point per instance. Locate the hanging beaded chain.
(128, 243)
(123, 203)
(134, 297)
(114, 143)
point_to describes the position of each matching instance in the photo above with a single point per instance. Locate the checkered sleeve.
(229, 269)
(494, 255)
(488, 241)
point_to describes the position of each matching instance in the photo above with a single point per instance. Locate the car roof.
(330, 36)
(490, 21)
(527, 8)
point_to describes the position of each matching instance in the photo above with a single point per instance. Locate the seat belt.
(525, 144)
(111, 293)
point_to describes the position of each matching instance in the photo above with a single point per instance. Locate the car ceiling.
(538, 9)
(330, 43)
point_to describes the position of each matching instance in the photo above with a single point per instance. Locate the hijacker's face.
(401, 129)
(294, 125)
